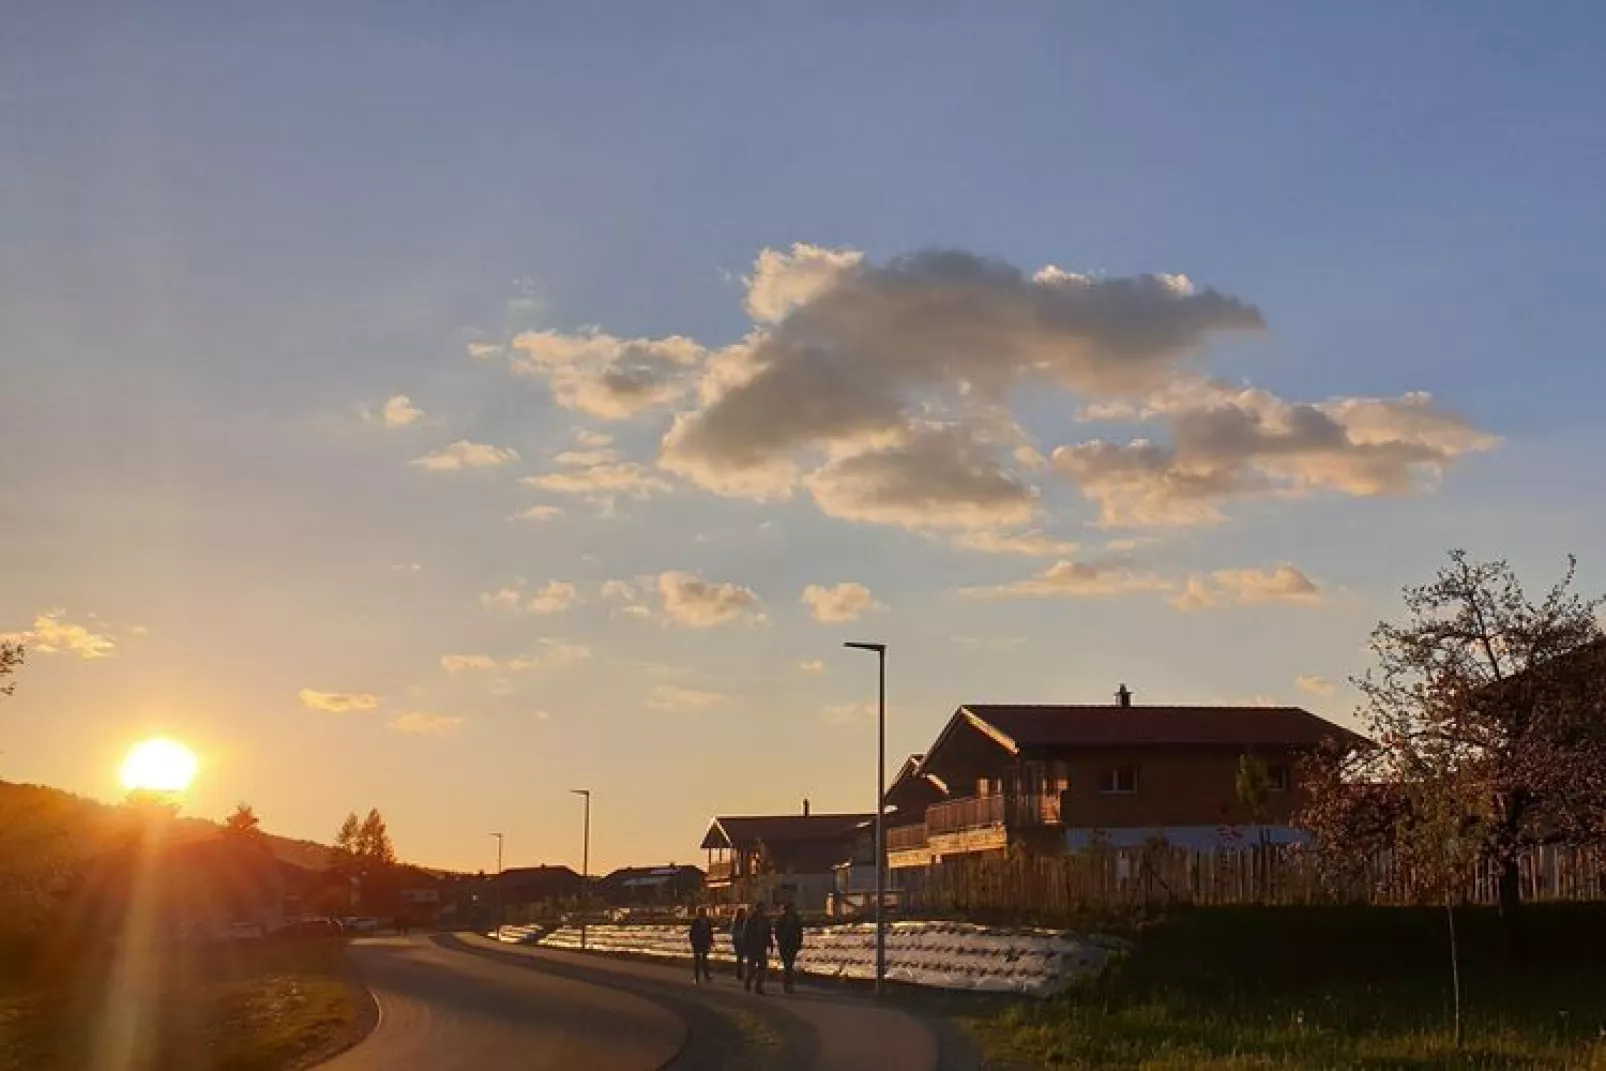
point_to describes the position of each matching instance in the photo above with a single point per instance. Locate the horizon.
(439, 415)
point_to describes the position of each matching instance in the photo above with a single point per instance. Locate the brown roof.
(1115, 726)
(747, 831)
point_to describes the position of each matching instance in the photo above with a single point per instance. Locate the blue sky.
(229, 239)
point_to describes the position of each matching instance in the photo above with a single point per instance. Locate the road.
(469, 1003)
(442, 1010)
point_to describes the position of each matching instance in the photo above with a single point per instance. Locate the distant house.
(536, 886)
(1051, 779)
(779, 858)
(651, 886)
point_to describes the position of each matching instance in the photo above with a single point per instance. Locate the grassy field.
(261, 1006)
(1331, 988)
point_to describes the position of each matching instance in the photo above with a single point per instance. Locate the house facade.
(776, 859)
(1052, 779)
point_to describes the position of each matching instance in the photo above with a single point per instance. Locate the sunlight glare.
(159, 765)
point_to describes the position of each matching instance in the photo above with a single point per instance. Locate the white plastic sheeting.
(943, 955)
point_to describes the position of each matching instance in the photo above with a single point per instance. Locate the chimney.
(805, 807)
(1123, 696)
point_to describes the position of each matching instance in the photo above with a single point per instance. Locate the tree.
(346, 840)
(11, 656)
(243, 827)
(373, 841)
(1488, 710)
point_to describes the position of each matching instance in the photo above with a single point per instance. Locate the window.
(1277, 777)
(1119, 780)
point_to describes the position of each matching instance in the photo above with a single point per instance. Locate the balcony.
(906, 838)
(721, 870)
(1011, 811)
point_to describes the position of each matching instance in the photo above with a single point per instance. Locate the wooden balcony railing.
(906, 838)
(721, 870)
(981, 812)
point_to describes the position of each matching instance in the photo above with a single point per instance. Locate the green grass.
(263, 1007)
(1322, 988)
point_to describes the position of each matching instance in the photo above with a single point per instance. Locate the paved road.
(851, 1033)
(442, 1010)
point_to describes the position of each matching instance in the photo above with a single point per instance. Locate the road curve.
(442, 1011)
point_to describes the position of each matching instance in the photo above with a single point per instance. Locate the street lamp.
(498, 837)
(880, 650)
(585, 866)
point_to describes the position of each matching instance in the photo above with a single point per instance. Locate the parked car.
(361, 924)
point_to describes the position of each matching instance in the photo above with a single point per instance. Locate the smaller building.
(651, 886)
(776, 859)
(528, 891)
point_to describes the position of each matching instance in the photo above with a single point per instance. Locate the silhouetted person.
(702, 939)
(738, 946)
(758, 939)
(788, 942)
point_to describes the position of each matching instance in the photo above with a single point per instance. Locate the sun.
(159, 765)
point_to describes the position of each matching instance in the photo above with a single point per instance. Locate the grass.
(761, 1046)
(1322, 988)
(265, 1006)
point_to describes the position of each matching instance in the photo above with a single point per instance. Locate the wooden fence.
(1258, 874)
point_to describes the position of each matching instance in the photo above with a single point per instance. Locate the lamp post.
(585, 866)
(498, 837)
(880, 650)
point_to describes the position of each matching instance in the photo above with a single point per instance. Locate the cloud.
(697, 603)
(1035, 543)
(548, 653)
(337, 702)
(811, 665)
(585, 458)
(539, 513)
(1228, 442)
(604, 376)
(1075, 580)
(483, 350)
(1247, 587)
(503, 599)
(465, 455)
(619, 590)
(849, 713)
(554, 597)
(933, 478)
(427, 724)
(636, 610)
(53, 634)
(848, 355)
(674, 697)
(541, 715)
(844, 602)
(592, 440)
(607, 479)
(397, 411)
(1315, 685)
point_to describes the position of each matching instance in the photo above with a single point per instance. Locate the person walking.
(788, 942)
(758, 939)
(702, 939)
(738, 945)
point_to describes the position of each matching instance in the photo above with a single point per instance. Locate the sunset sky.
(437, 410)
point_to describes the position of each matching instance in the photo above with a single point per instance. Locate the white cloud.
(461, 663)
(1034, 544)
(465, 455)
(503, 599)
(592, 440)
(539, 513)
(554, 597)
(844, 602)
(1075, 580)
(674, 697)
(618, 589)
(548, 653)
(337, 702)
(397, 411)
(422, 724)
(697, 603)
(620, 478)
(482, 350)
(1229, 442)
(608, 377)
(1247, 587)
(849, 713)
(782, 282)
(1307, 682)
(53, 634)
(811, 665)
(849, 356)
(636, 610)
(561, 653)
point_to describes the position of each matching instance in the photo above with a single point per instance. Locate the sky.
(438, 409)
